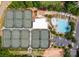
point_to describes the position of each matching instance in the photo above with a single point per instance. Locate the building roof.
(40, 23)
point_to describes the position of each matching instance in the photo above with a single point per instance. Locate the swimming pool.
(62, 25)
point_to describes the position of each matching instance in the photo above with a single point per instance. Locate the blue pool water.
(62, 26)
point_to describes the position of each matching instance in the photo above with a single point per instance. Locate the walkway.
(3, 6)
(77, 32)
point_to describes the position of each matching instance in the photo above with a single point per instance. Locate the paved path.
(77, 31)
(3, 7)
(53, 52)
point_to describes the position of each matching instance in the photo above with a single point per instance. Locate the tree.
(36, 4)
(5, 53)
(78, 11)
(50, 7)
(69, 35)
(70, 46)
(21, 4)
(0, 41)
(28, 3)
(77, 53)
(16, 4)
(24, 4)
(66, 52)
(71, 7)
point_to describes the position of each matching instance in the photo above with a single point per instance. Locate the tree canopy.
(67, 6)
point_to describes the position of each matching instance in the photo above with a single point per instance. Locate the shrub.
(71, 7)
(66, 52)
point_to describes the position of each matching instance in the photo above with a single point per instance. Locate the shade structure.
(44, 38)
(6, 42)
(25, 38)
(35, 41)
(27, 19)
(18, 18)
(8, 19)
(59, 41)
(15, 39)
